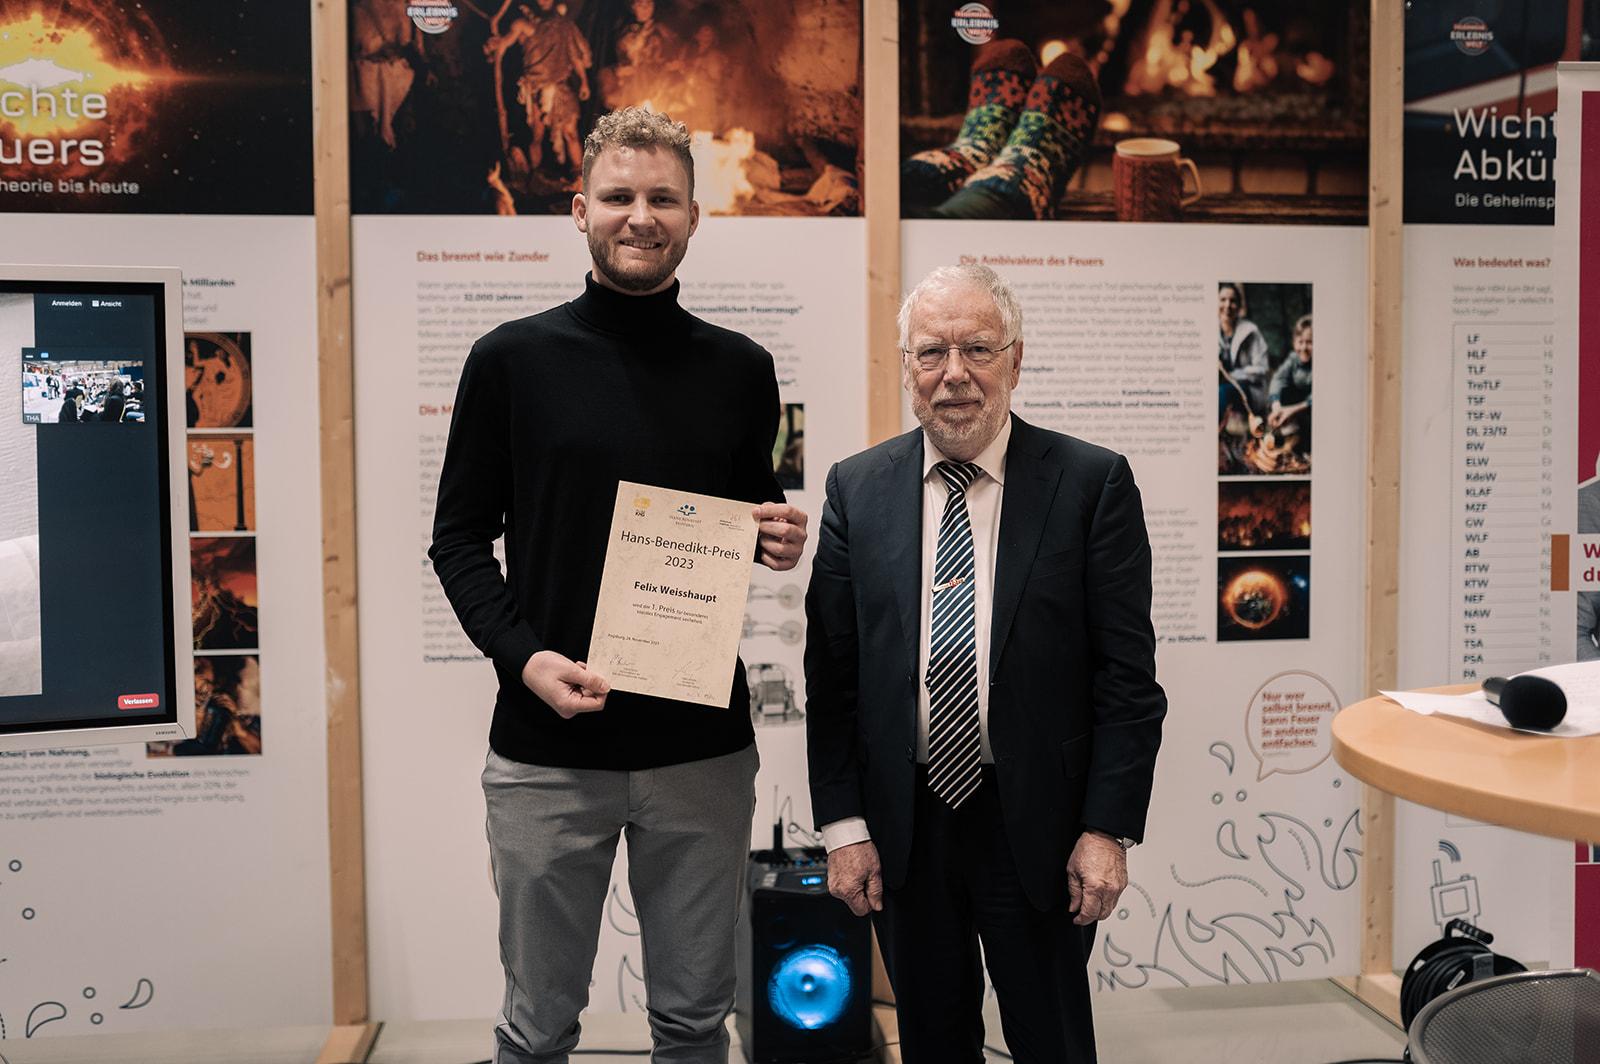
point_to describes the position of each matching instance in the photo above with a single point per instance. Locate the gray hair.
(981, 277)
(635, 127)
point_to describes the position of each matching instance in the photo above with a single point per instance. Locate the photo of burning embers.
(155, 107)
(482, 108)
(1263, 598)
(1135, 111)
(1263, 515)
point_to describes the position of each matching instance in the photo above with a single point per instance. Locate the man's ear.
(694, 216)
(580, 212)
(1016, 363)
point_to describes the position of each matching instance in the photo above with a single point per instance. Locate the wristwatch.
(1121, 840)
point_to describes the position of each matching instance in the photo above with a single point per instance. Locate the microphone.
(1531, 702)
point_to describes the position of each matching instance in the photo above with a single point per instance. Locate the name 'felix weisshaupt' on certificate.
(672, 595)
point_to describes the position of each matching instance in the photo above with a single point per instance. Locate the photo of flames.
(1263, 515)
(155, 107)
(1263, 598)
(484, 111)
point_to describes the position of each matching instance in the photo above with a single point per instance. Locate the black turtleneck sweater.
(552, 411)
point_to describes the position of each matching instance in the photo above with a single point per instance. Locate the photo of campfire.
(1136, 110)
(482, 108)
(155, 107)
(1265, 343)
(1263, 598)
(1263, 515)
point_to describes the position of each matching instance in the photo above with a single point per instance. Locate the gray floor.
(1285, 1023)
(278, 1045)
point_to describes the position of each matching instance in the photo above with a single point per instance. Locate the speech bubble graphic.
(1288, 723)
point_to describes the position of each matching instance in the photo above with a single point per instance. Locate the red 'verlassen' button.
(138, 701)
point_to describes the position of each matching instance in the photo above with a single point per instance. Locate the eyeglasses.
(933, 356)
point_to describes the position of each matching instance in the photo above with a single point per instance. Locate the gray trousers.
(553, 836)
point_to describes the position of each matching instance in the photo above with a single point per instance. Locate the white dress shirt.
(983, 510)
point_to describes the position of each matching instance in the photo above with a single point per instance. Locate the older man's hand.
(1097, 874)
(856, 878)
(781, 537)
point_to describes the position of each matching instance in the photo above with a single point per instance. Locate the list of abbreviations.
(1502, 496)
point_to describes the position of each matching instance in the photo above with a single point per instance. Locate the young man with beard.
(553, 410)
(982, 713)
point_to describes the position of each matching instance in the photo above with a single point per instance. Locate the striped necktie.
(954, 752)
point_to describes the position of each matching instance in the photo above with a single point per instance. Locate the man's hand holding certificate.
(672, 595)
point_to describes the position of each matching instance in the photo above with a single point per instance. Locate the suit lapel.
(902, 540)
(1031, 484)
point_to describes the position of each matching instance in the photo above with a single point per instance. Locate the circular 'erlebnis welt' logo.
(432, 16)
(1472, 35)
(974, 23)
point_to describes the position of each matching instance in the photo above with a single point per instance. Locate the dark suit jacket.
(1074, 708)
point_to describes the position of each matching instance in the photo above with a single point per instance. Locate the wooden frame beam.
(880, 32)
(336, 391)
(1377, 984)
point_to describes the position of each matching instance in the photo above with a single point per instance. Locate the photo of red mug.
(1148, 173)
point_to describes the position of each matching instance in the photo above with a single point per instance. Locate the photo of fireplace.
(1136, 110)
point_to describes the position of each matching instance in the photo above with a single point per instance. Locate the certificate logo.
(974, 23)
(1471, 35)
(687, 509)
(432, 16)
(641, 503)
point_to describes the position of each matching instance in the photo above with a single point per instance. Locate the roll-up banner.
(132, 878)
(465, 155)
(1130, 173)
(1490, 406)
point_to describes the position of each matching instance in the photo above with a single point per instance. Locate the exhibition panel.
(175, 135)
(1489, 448)
(462, 177)
(1137, 202)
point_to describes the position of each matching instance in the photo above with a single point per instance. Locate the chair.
(1524, 1018)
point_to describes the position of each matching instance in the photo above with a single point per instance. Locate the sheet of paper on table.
(1580, 682)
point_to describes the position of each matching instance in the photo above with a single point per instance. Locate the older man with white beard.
(982, 709)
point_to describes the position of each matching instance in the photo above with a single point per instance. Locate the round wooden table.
(1533, 783)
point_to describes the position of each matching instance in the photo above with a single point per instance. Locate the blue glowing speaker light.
(804, 992)
(810, 987)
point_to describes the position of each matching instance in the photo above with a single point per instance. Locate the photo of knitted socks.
(1051, 138)
(1002, 71)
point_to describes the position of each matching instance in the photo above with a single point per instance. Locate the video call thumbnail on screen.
(86, 595)
(67, 387)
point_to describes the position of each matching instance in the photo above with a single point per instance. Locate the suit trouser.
(962, 887)
(553, 837)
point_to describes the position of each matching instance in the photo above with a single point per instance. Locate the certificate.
(672, 595)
